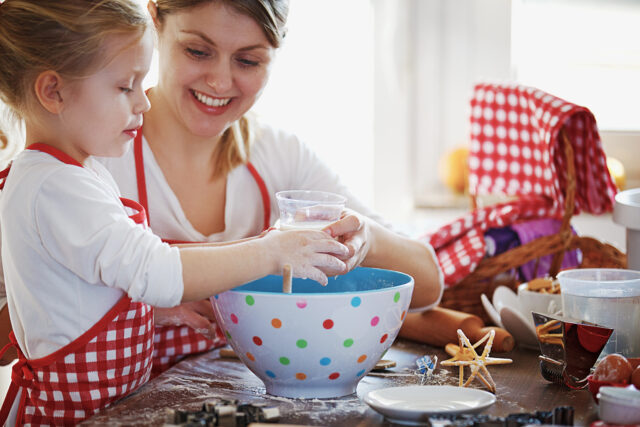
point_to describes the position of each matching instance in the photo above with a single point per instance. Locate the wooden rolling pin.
(438, 327)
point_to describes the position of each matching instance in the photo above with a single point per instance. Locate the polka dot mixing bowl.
(317, 342)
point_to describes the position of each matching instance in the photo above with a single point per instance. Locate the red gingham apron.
(104, 364)
(514, 151)
(172, 342)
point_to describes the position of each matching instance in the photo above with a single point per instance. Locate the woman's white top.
(70, 252)
(283, 162)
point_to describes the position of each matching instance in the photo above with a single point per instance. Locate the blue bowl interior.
(361, 279)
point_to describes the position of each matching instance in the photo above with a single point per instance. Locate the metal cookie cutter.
(569, 349)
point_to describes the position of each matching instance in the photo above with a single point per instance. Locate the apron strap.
(264, 193)
(58, 154)
(3, 175)
(140, 217)
(140, 177)
(142, 182)
(20, 376)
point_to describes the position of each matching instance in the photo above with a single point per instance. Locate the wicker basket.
(488, 275)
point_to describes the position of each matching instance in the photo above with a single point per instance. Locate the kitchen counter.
(193, 381)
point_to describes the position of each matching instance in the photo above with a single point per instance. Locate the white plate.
(413, 404)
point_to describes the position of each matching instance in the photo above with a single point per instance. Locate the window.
(585, 51)
(321, 86)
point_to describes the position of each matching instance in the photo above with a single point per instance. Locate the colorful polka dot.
(270, 374)
(362, 358)
(348, 342)
(360, 373)
(257, 340)
(285, 361)
(301, 343)
(325, 361)
(216, 296)
(249, 300)
(375, 320)
(327, 324)
(234, 318)
(356, 301)
(402, 315)
(334, 376)
(276, 323)
(396, 297)
(384, 338)
(301, 303)
(227, 334)
(250, 357)
(301, 376)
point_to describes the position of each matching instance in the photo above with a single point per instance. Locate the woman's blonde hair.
(271, 15)
(66, 36)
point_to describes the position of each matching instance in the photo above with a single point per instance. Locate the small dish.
(505, 297)
(519, 327)
(491, 311)
(506, 313)
(414, 404)
(532, 301)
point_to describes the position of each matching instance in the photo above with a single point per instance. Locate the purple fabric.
(531, 230)
(499, 240)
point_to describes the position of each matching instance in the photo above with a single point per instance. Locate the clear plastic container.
(308, 209)
(606, 297)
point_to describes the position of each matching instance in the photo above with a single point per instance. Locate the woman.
(206, 171)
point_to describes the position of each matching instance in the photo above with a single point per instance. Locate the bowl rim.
(409, 283)
(580, 272)
(305, 294)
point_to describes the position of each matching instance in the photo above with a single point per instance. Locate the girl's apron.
(104, 364)
(172, 342)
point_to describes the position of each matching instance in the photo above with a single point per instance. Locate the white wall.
(428, 56)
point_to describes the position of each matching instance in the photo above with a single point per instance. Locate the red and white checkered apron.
(104, 364)
(174, 342)
(514, 151)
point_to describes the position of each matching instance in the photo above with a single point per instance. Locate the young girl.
(81, 268)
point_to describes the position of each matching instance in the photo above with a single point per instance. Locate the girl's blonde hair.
(66, 36)
(271, 15)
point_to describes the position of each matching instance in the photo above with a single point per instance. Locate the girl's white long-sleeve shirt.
(70, 252)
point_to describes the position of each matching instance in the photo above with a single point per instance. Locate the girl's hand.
(355, 232)
(198, 315)
(310, 253)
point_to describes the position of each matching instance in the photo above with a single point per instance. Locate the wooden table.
(520, 388)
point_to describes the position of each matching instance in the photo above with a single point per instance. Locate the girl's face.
(214, 64)
(103, 111)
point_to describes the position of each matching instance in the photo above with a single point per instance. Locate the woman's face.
(214, 64)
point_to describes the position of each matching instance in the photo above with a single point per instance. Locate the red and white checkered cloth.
(514, 151)
(172, 343)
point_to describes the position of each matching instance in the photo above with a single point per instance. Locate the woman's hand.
(310, 253)
(198, 315)
(354, 231)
